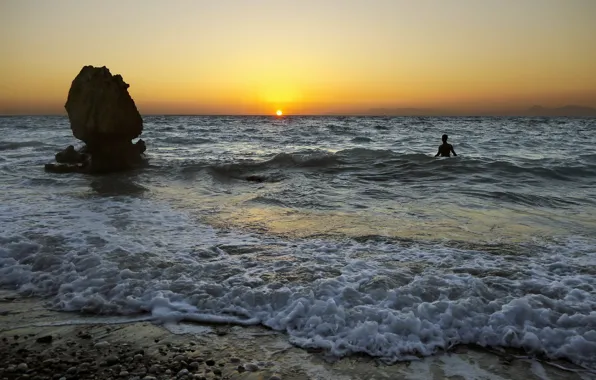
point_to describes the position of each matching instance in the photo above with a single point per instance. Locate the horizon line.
(488, 114)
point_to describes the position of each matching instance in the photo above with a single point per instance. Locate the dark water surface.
(345, 232)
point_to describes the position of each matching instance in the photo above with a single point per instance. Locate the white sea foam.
(126, 256)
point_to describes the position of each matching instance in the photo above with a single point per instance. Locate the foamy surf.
(385, 299)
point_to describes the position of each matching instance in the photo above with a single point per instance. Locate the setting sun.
(279, 113)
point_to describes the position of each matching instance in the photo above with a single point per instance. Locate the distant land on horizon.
(536, 111)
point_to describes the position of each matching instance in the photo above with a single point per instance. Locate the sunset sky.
(305, 57)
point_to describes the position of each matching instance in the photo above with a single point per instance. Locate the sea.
(345, 233)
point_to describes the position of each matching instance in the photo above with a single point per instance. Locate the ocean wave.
(397, 304)
(285, 161)
(12, 145)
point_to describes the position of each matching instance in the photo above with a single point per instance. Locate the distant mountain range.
(569, 111)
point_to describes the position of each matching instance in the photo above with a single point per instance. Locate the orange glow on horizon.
(279, 113)
(192, 59)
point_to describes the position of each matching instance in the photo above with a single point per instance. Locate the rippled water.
(344, 232)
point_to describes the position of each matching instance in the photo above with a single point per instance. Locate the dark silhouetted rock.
(100, 109)
(104, 116)
(69, 156)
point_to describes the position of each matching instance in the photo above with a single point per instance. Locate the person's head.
(444, 138)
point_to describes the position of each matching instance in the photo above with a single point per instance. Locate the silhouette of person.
(445, 149)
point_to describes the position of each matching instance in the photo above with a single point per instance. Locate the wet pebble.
(71, 371)
(194, 366)
(241, 369)
(251, 367)
(234, 360)
(138, 357)
(22, 367)
(183, 372)
(124, 373)
(210, 362)
(45, 339)
(112, 359)
(217, 372)
(103, 344)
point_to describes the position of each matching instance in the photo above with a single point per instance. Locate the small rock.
(22, 367)
(62, 378)
(183, 372)
(275, 377)
(138, 357)
(234, 360)
(168, 372)
(241, 369)
(210, 362)
(71, 371)
(50, 362)
(45, 339)
(103, 344)
(112, 359)
(85, 336)
(217, 372)
(123, 373)
(155, 368)
(179, 358)
(149, 378)
(251, 367)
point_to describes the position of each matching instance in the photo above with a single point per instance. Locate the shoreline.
(37, 343)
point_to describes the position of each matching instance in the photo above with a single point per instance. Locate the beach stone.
(138, 357)
(168, 371)
(71, 371)
(45, 339)
(149, 378)
(22, 367)
(100, 108)
(241, 369)
(217, 372)
(234, 360)
(183, 372)
(251, 367)
(112, 360)
(210, 362)
(275, 377)
(103, 344)
(155, 368)
(11, 368)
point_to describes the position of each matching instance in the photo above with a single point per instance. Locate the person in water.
(445, 149)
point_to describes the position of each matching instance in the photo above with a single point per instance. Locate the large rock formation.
(104, 116)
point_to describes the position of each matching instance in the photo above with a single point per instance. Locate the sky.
(304, 57)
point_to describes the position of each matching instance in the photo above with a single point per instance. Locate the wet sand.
(37, 343)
